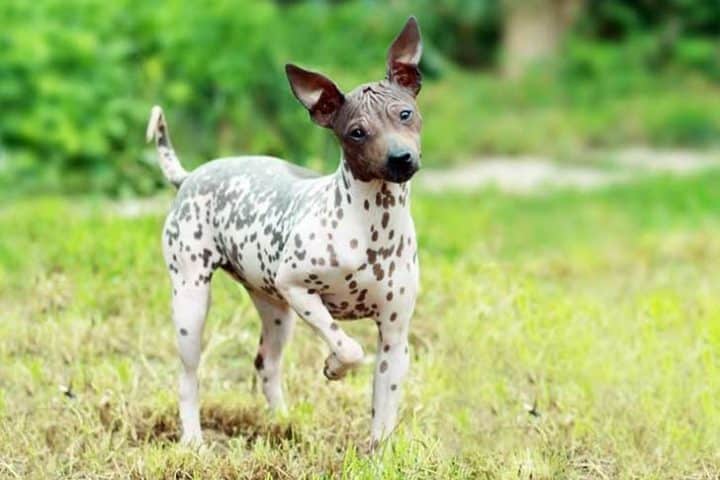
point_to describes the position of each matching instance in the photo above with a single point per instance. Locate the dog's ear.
(318, 93)
(404, 57)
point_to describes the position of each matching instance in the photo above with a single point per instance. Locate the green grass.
(479, 114)
(569, 335)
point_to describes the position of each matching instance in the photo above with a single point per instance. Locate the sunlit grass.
(569, 335)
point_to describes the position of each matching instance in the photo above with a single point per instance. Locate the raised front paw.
(337, 366)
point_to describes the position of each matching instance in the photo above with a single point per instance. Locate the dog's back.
(225, 207)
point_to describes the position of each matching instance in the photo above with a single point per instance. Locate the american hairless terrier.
(331, 247)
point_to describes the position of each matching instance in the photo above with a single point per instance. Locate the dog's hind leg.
(277, 325)
(189, 306)
(190, 274)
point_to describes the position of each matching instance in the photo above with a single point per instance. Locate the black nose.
(400, 166)
(400, 160)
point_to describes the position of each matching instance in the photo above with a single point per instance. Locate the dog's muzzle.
(401, 166)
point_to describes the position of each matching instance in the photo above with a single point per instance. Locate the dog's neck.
(371, 198)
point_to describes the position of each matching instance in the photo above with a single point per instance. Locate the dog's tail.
(169, 163)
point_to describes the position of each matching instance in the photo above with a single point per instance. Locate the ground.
(560, 334)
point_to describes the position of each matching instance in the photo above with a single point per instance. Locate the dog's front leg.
(393, 361)
(345, 352)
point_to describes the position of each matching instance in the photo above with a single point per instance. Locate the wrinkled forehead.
(373, 99)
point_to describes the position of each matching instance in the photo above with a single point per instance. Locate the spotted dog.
(328, 248)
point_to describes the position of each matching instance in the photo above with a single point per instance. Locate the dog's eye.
(405, 115)
(357, 134)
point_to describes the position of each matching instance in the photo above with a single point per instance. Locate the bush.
(79, 79)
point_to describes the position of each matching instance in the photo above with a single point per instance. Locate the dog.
(328, 248)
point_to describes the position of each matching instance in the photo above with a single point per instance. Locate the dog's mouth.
(401, 175)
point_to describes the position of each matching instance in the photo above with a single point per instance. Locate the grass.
(568, 335)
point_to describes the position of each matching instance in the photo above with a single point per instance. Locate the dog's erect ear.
(404, 57)
(318, 93)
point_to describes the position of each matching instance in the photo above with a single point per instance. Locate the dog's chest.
(362, 262)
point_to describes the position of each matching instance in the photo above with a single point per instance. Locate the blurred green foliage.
(77, 80)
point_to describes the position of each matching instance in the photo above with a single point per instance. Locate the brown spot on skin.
(353, 243)
(307, 313)
(278, 321)
(389, 296)
(393, 387)
(259, 362)
(183, 332)
(393, 317)
(385, 219)
(386, 348)
(378, 271)
(401, 245)
(334, 326)
(383, 366)
(366, 205)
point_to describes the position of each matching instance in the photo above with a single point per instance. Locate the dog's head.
(378, 124)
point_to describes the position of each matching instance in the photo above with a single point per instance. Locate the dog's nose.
(401, 165)
(400, 160)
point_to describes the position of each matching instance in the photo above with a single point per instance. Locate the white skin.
(336, 247)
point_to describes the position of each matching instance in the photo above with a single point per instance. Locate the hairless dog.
(328, 248)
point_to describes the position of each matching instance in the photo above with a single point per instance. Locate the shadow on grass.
(220, 424)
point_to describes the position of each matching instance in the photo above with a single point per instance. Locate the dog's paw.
(351, 353)
(335, 369)
(192, 439)
(372, 447)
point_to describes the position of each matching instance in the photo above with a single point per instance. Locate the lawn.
(564, 335)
